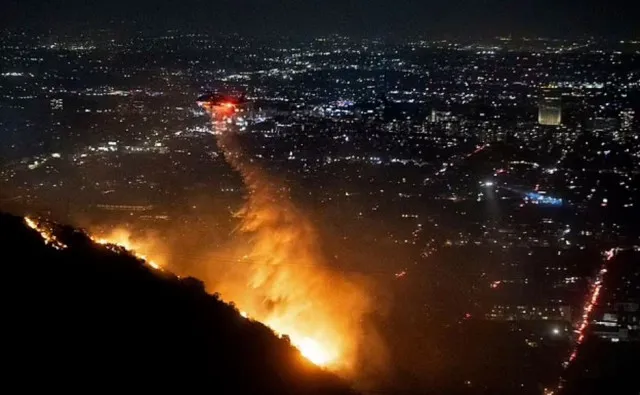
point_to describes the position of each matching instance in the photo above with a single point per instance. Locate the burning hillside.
(274, 270)
(98, 312)
(282, 279)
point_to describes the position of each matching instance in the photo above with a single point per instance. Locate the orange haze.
(275, 272)
(279, 276)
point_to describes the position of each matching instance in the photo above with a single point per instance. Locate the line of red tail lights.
(592, 301)
(49, 238)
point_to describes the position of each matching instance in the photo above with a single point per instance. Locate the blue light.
(542, 199)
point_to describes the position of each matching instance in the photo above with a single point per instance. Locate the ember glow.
(314, 351)
(46, 233)
(275, 273)
(146, 250)
(117, 241)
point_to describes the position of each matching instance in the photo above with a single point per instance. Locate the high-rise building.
(550, 109)
(381, 106)
(626, 119)
(513, 312)
(440, 116)
(56, 104)
(620, 324)
(603, 124)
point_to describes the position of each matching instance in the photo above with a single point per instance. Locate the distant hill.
(85, 318)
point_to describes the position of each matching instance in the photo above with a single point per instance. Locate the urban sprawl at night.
(487, 192)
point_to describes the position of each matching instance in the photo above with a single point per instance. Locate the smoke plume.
(274, 271)
(279, 276)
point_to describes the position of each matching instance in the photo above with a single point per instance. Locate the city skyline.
(415, 215)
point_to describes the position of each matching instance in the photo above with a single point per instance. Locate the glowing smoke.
(279, 276)
(146, 247)
(275, 272)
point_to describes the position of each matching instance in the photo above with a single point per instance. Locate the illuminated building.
(381, 105)
(602, 124)
(550, 109)
(626, 119)
(541, 198)
(56, 104)
(440, 116)
(529, 313)
(124, 207)
(619, 325)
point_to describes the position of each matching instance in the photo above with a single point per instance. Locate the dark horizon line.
(127, 27)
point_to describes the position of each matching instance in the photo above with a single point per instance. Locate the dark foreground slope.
(87, 318)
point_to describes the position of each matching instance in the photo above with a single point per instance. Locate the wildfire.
(277, 296)
(314, 351)
(141, 249)
(317, 338)
(277, 274)
(119, 238)
(46, 233)
(280, 277)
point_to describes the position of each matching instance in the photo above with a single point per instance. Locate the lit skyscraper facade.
(550, 109)
(626, 119)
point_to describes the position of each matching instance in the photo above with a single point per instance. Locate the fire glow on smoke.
(281, 278)
(276, 274)
(122, 238)
(318, 353)
(143, 249)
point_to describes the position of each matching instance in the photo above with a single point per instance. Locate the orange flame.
(144, 249)
(280, 277)
(285, 286)
(317, 310)
(47, 234)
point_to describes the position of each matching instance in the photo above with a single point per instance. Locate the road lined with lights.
(592, 301)
(594, 295)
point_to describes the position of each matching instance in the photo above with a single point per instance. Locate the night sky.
(454, 18)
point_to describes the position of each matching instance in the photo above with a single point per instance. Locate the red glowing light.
(592, 300)
(401, 274)
(223, 107)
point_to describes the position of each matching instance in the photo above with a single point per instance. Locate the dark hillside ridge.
(87, 318)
